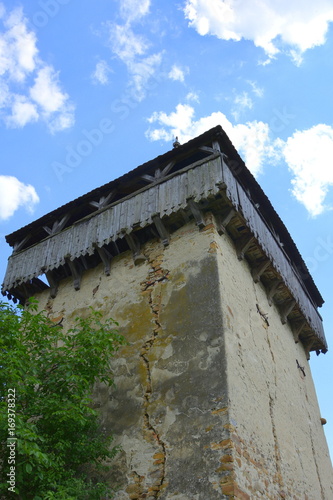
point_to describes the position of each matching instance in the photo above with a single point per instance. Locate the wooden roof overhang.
(204, 175)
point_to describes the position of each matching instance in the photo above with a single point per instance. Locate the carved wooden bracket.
(297, 329)
(197, 213)
(105, 257)
(76, 273)
(53, 283)
(243, 244)
(286, 309)
(134, 245)
(273, 289)
(162, 231)
(257, 271)
(222, 222)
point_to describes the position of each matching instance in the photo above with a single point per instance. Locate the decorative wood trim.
(257, 271)
(197, 213)
(134, 245)
(286, 309)
(162, 231)
(243, 244)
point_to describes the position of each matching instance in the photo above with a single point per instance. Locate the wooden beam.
(148, 178)
(57, 225)
(273, 289)
(297, 329)
(308, 344)
(162, 231)
(196, 212)
(19, 244)
(258, 270)
(243, 244)
(223, 221)
(286, 309)
(53, 283)
(216, 146)
(105, 257)
(75, 272)
(167, 169)
(103, 201)
(207, 149)
(134, 245)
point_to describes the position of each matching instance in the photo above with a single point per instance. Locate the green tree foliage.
(50, 374)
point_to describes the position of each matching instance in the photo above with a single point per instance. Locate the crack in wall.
(313, 449)
(156, 275)
(275, 437)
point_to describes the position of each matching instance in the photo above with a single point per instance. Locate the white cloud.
(23, 112)
(134, 10)
(14, 194)
(294, 24)
(101, 73)
(192, 96)
(22, 102)
(252, 139)
(177, 74)
(309, 154)
(132, 50)
(242, 102)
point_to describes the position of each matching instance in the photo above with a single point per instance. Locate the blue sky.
(89, 90)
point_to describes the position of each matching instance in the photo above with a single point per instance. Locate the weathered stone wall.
(278, 448)
(209, 402)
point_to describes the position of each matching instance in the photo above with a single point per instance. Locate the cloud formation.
(274, 26)
(14, 194)
(177, 74)
(252, 139)
(307, 154)
(30, 90)
(132, 48)
(101, 73)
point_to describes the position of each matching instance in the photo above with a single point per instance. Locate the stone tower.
(214, 397)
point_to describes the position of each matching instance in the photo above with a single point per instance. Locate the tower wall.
(209, 401)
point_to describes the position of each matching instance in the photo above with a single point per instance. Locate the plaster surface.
(209, 402)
